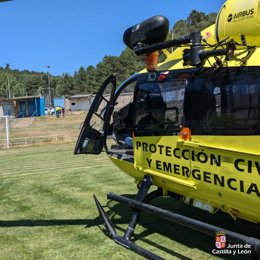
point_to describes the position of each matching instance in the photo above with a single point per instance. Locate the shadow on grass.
(49, 222)
(178, 233)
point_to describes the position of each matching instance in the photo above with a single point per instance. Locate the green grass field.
(47, 210)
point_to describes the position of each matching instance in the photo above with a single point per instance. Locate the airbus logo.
(240, 14)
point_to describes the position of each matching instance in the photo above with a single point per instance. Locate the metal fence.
(26, 141)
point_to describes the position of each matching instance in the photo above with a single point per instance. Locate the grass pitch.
(47, 210)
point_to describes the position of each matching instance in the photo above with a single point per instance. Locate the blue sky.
(67, 34)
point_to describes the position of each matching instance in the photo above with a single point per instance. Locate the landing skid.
(140, 205)
(125, 240)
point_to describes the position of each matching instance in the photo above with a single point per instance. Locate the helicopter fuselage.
(218, 166)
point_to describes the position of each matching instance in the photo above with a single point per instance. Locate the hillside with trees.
(15, 83)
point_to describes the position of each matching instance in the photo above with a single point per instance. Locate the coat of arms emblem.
(220, 241)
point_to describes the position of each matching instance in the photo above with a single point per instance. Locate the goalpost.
(4, 124)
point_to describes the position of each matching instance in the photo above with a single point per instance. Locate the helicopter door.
(91, 137)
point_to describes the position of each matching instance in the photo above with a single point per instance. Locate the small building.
(79, 102)
(29, 106)
(22, 106)
(83, 102)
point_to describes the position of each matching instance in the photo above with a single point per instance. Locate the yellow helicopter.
(190, 125)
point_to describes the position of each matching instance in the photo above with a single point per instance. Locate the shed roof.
(24, 97)
(80, 96)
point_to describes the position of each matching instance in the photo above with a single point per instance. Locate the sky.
(60, 36)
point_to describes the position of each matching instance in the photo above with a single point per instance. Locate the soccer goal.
(4, 132)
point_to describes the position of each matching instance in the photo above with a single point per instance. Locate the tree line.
(15, 83)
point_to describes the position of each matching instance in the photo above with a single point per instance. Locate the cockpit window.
(159, 107)
(173, 96)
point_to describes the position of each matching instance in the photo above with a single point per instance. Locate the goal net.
(4, 132)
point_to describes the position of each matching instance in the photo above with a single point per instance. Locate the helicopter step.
(140, 205)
